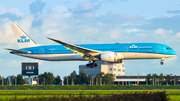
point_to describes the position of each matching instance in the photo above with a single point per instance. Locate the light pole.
(44, 81)
(138, 75)
(2, 81)
(15, 81)
(133, 70)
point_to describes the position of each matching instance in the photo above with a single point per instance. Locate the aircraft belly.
(49, 57)
(145, 56)
(66, 57)
(54, 57)
(125, 55)
(130, 55)
(134, 55)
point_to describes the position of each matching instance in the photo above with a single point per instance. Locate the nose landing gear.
(91, 65)
(161, 63)
(162, 59)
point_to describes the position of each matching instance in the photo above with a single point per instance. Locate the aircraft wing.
(17, 50)
(86, 53)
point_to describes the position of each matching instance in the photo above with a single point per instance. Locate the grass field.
(10, 94)
(88, 87)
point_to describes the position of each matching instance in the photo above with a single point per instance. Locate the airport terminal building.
(118, 70)
(112, 68)
(139, 79)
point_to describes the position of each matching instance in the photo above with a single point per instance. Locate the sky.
(91, 22)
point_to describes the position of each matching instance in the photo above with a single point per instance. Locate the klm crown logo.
(23, 37)
(23, 40)
(133, 46)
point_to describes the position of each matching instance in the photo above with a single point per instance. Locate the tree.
(65, 80)
(57, 80)
(0, 80)
(20, 79)
(74, 76)
(161, 78)
(49, 78)
(108, 78)
(154, 77)
(89, 78)
(98, 77)
(148, 77)
(176, 80)
(168, 79)
(82, 78)
(69, 80)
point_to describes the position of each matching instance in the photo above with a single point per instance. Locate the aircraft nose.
(174, 52)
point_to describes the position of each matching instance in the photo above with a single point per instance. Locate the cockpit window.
(169, 48)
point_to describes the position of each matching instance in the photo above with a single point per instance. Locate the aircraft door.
(41, 51)
(125, 49)
(125, 54)
(158, 48)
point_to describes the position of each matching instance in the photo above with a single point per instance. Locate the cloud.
(177, 35)
(171, 60)
(109, 0)
(77, 29)
(56, 20)
(4, 10)
(85, 10)
(173, 11)
(167, 23)
(61, 11)
(86, 6)
(37, 23)
(10, 16)
(131, 30)
(6, 34)
(37, 7)
(161, 33)
(134, 30)
(116, 33)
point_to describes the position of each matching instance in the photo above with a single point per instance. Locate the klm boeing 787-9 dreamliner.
(112, 53)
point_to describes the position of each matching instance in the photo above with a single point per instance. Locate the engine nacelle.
(111, 56)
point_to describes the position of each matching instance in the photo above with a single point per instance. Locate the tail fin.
(22, 38)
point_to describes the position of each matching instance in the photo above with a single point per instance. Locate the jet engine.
(111, 57)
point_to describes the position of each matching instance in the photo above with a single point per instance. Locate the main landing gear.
(162, 59)
(91, 65)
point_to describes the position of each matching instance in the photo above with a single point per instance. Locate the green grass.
(93, 87)
(10, 94)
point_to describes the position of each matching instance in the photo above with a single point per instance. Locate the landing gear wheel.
(91, 66)
(88, 65)
(161, 63)
(95, 65)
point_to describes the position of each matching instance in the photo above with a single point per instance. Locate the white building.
(112, 68)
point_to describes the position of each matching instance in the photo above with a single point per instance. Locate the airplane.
(111, 53)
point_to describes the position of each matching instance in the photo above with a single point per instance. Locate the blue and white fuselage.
(88, 52)
(128, 50)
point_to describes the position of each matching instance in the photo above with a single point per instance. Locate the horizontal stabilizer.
(17, 50)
